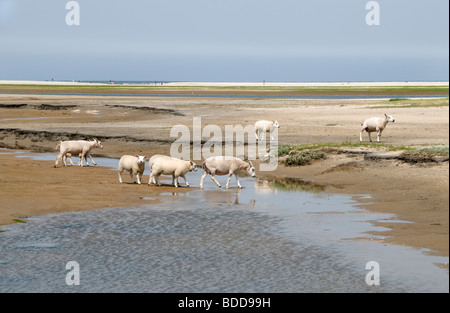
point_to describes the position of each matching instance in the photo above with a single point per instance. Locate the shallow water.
(263, 238)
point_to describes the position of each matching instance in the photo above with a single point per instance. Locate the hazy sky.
(225, 40)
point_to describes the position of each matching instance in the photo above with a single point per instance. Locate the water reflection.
(288, 184)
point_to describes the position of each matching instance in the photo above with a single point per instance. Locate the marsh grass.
(427, 152)
(305, 157)
(412, 103)
(286, 149)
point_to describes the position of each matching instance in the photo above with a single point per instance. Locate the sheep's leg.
(151, 179)
(370, 136)
(57, 159)
(237, 180)
(257, 134)
(132, 177)
(138, 177)
(64, 160)
(228, 181)
(175, 181)
(185, 181)
(81, 162)
(157, 181)
(120, 176)
(201, 180)
(360, 135)
(379, 136)
(93, 162)
(70, 159)
(215, 181)
(88, 154)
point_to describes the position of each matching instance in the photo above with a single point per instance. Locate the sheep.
(81, 147)
(221, 165)
(262, 127)
(170, 166)
(135, 165)
(150, 164)
(375, 124)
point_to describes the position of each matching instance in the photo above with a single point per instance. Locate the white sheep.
(262, 127)
(375, 124)
(223, 165)
(77, 147)
(170, 166)
(135, 165)
(150, 164)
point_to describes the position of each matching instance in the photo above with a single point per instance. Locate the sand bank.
(416, 193)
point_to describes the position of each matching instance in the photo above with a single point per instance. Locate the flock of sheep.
(166, 165)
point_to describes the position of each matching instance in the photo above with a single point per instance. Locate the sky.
(225, 40)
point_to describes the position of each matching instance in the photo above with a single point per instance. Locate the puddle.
(271, 236)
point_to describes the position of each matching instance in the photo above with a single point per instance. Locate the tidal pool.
(268, 237)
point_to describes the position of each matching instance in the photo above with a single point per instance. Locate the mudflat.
(416, 192)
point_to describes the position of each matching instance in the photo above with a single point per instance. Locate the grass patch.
(286, 149)
(426, 154)
(332, 124)
(413, 103)
(18, 220)
(305, 157)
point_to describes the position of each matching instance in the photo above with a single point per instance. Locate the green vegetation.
(286, 149)
(427, 152)
(305, 157)
(413, 103)
(18, 220)
(300, 155)
(91, 88)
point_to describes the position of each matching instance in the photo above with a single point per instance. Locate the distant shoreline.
(231, 84)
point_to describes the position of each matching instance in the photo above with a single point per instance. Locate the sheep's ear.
(136, 156)
(385, 114)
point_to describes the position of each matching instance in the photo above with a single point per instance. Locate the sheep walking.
(375, 124)
(135, 165)
(262, 127)
(222, 165)
(150, 164)
(77, 147)
(170, 166)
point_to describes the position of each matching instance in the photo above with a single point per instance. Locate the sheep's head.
(141, 159)
(389, 118)
(193, 167)
(251, 169)
(98, 143)
(276, 124)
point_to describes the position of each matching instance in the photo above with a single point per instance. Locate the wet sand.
(416, 193)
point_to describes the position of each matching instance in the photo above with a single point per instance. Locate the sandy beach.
(415, 192)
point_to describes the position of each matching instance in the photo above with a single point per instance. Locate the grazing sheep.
(262, 127)
(221, 165)
(170, 166)
(375, 124)
(81, 147)
(135, 165)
